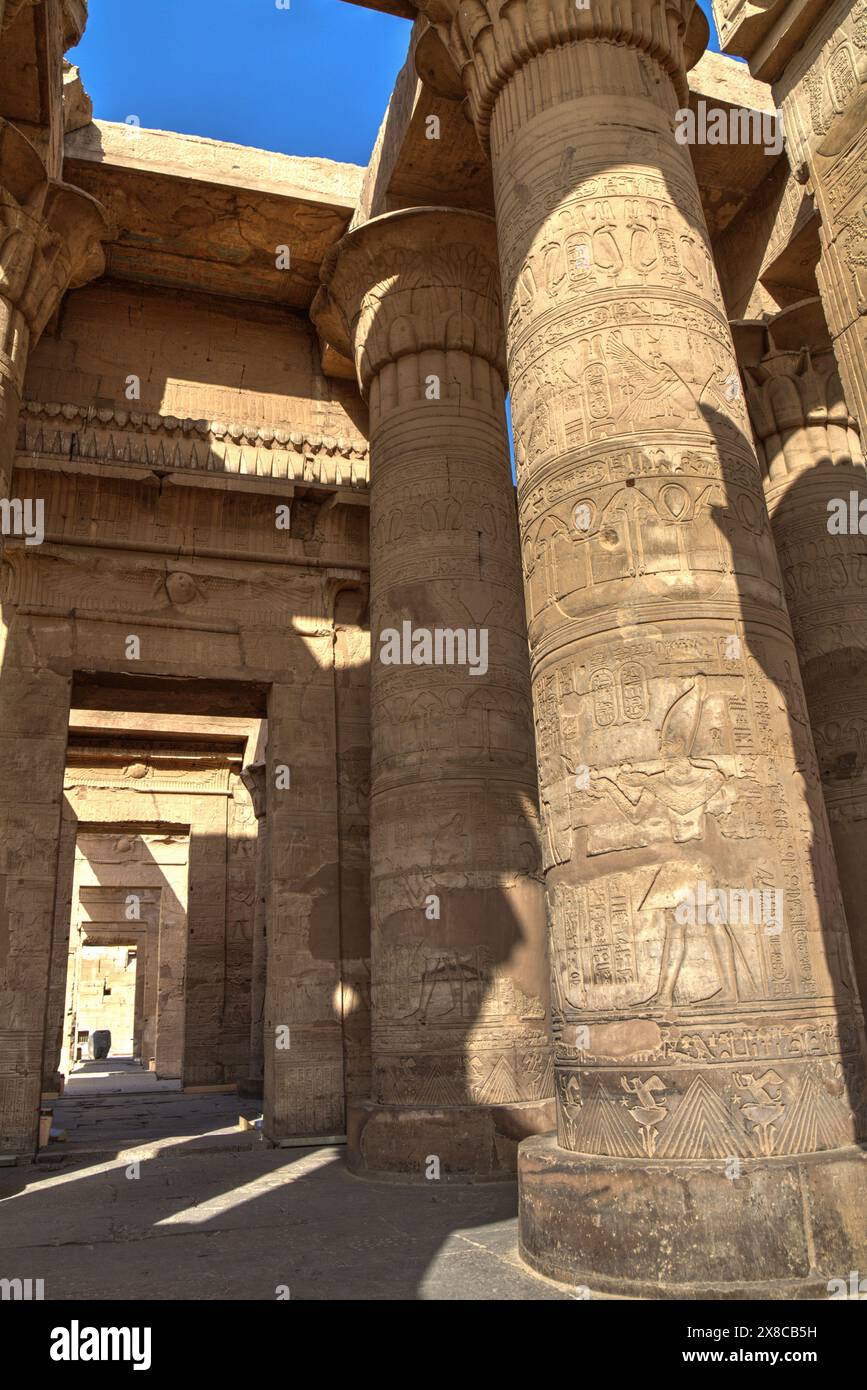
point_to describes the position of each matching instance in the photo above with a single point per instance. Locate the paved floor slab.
(182, 1224)
(114, 1076)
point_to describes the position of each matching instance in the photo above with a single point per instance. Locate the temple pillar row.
(690, 1043)
(459, 1030)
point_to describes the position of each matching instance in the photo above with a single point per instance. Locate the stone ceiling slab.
(198, 214)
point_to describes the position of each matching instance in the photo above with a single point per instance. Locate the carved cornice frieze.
(490, 40)
(143, 771)
(421, 280)
(166, 443)
(50, 233)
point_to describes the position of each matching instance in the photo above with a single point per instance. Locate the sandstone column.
(708, 1062)
(253, 777)
(814, 467)
(304, 1083)
(814, 54)
(49, 242)
(460, 1053)
(55, 1014)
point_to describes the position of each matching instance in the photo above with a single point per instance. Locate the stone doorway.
(144, 758)
(154, 909)
(106, 999)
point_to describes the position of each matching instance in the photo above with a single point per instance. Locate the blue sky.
(313, 79)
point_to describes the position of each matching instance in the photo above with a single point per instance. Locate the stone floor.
(114, 1076)
(103, 1124)
(212, 1214)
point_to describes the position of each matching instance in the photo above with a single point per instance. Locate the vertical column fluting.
(460, 1048)
(691, 1040)
(816, 489)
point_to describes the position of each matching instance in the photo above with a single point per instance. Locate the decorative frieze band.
(145, 771)
(110, 435)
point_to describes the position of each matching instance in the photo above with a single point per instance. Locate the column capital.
(50, 233)
(790, 373)
(490, 40)
(419, 280)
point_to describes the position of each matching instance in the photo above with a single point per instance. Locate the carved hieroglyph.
(664, 673)
(459, 999)
(824, 103)
(49, 241)
(815, 57)
(814, 465)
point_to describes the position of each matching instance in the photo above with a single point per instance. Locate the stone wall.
(214, 521)
(195, 357)
(106, 994)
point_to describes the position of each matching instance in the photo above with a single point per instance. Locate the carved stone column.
(460, 1047)
(708, 1060)
(814, 468)
(253, 776)
(814, 55)
(49, 243)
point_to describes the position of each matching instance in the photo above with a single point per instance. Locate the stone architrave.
(253, 776)
(816, 489)
(49, 242)
(459, 1037)
(695, 1044)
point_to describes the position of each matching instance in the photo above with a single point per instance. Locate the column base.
(474, 1143)
(670, 1230)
